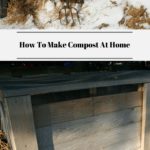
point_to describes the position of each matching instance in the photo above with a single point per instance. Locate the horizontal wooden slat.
(62, 111)
(130, 144)
(71, 110)
(85, 127)
(90, 123)
(116, 102)
(102, 139)
(99, 127)
(77, 82)
(133, 144)
(81, 108)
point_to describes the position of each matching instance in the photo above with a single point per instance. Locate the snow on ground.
(92, 14)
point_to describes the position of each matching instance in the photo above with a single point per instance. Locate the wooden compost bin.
(89, 111)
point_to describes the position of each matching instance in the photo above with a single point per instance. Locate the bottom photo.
(75, 105)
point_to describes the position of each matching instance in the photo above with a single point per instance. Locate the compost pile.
(3, 141)
(135, 18)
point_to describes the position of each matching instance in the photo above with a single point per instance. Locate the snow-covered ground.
(92, 15)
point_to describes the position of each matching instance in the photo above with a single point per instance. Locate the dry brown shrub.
(19, 10)
(3, 144)
(135, 18)
(135, 23)
(136, 12)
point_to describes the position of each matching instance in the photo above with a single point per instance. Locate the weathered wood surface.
(42, 85)
(78, 129)
(99, 140)
(146, 118)
(20, 119)
(78, 94)
(45, 137)
(110, 103)
(71, 110)
(1, 96)
(130, 144)
(62, 111)
(97, 123)
(1, 116)
(42, 116)
(81, 108)
(94, 132)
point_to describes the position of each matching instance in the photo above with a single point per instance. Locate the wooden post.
(146, 118)
(20, 123)
(1, 110)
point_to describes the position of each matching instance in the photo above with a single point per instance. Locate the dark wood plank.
(42, 116)
(45, 137)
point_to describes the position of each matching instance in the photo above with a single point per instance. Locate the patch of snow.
(92, 14)
(49, 6)
(146, 26)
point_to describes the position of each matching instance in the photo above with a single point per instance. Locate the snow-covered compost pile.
(93, 14)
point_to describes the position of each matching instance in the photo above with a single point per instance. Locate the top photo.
(75, 14)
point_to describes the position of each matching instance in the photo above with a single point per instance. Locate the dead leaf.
(103, 25)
